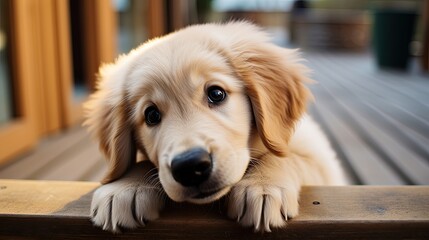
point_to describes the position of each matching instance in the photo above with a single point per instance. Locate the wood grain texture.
(382, 116)
(49, 151)
(60, 210)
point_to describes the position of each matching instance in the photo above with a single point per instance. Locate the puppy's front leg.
(268, 194)
(130, 201)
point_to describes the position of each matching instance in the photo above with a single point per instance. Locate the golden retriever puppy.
(217, 109)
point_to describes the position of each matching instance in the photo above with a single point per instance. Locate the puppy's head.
(197, 103)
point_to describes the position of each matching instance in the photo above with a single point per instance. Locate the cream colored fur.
(264, 147)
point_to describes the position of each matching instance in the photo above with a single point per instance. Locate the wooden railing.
(60, 210)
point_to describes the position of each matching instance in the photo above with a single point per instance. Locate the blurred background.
(369, 58)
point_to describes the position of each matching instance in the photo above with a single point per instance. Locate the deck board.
(408, 164)
(47, 153)
(72, 166)
(71, 156)
(60, 210)
(381, 109)
(377, 121)
(359, 154)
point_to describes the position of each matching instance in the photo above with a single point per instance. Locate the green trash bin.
(392, 32)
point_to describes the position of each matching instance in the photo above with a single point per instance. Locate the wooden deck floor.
(70, 156)
(377, 121)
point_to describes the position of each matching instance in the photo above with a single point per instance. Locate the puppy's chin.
(193, 195)
(203, 198)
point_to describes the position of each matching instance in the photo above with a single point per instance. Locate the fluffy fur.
(264, 147)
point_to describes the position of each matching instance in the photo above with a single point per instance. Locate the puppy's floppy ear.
(107, 118)
(274, 81)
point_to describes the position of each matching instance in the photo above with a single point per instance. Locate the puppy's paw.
(125, 204)
(262, 205)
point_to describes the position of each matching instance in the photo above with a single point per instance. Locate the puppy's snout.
(192, 167)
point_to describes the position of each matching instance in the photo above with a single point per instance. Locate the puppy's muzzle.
(192, 167)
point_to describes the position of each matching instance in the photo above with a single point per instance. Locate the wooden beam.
(46, 209)
(156, 18)
(47, 63)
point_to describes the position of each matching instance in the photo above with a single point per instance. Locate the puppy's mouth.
(202, 195)
(209, 196)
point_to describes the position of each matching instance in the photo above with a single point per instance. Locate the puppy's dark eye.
(216, 94)
(152, 116)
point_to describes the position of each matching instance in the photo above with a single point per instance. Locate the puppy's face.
(192, 117)
(194, 103)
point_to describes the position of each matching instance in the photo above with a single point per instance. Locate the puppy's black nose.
(192, 167)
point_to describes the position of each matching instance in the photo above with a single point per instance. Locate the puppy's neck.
(256, 146)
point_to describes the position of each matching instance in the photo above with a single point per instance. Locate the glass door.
(86, 38)
(18, 127)
(6, 92)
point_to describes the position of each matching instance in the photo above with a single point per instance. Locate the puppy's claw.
(121, 205)
(262, 206)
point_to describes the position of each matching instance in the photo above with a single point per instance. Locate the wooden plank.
(416, 142)
(72, 166)
(156, 18)
(351, 175)
(16, 137)
(96, 172)
(366, 163)
(362, 69)
(368, 92)
(41, 197)
(408, 157)
(48, 67)
(396, 88)
(352, 104)
(415, 167)
(99, 31)
(46, 153)
(410, 127)
(59, 210)
(106, 31)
